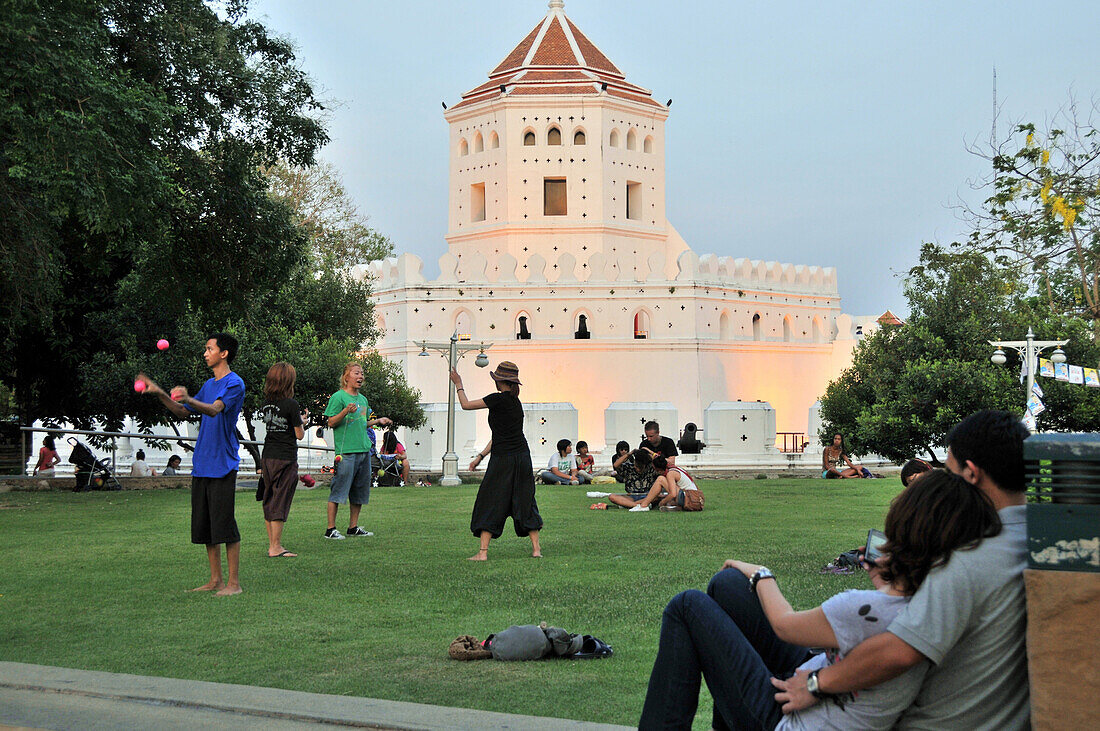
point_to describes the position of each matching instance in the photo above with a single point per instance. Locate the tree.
(134, 206)
(908, 385)
(1044, 214)
(338, 233)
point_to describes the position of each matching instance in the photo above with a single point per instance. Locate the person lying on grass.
(742, 634)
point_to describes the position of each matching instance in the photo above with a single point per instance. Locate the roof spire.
(556, 5)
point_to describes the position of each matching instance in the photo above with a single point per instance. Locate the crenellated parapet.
(603, 268)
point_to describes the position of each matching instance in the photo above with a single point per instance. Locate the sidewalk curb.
(290, 705)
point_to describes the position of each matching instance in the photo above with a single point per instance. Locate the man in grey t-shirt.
(968, 617)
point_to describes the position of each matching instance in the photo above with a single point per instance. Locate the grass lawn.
(96, 581)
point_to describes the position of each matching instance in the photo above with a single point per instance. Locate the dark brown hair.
(937, 514)
(912, 468)
(508, 387)
(279, 383)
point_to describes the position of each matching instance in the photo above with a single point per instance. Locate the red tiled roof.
(889, 318)
(632, 97)
(554, 50)
(515, 58)
(592, 55)
(554, 75)
(557, 89)
(553, 64)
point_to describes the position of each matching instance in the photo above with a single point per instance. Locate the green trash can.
(1063, 511)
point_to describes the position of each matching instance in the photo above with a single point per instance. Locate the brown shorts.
(280, 481)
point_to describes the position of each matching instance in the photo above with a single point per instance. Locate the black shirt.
(667, 447)
(281, 418)
(506, 422)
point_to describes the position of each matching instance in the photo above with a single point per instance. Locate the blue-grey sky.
(830, 133)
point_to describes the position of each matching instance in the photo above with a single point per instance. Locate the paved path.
(42, 697)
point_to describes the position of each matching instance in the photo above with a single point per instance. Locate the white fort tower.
(560, 256)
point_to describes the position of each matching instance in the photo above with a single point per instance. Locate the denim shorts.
(352, 480)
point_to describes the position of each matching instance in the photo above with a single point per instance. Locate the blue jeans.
(724, 637)
(552, 479)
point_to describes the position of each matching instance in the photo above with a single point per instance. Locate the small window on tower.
(554, 197)
(477, 202)
(529, 139)
(553, 137)
(634, 201)
(578, 137)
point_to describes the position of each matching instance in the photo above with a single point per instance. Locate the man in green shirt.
(349, 418)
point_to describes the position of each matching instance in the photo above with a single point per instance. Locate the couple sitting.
(565, 468)
(650, 473)
(938, 644)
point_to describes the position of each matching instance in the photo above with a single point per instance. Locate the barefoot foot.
(229, 590)
(537, 554)
(481, 555)
(211, 585)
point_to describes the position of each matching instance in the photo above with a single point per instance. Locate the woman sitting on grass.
(742, 633)
(833, 459)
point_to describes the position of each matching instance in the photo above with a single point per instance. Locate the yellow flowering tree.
(1044, 214)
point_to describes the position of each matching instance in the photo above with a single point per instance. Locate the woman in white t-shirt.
(140, 468)
(562, 467)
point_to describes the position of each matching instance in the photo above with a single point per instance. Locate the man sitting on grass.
(562, 467)
(968, 617)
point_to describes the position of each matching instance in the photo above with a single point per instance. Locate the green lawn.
(97, 580)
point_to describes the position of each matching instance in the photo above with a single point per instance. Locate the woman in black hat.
(508, 487)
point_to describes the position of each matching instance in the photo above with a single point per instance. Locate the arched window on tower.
(553, 136)
(529, 139)
(647, 144)
(756, 327)
(632, 140)
(614, 140)
(479, 143)
(582, 332)
(579, 137)
(463, 148)
(464, 323)
(724, 326)
(523, 331)
(641, 325)
(494, 141)
(819, 331)
(787, 329)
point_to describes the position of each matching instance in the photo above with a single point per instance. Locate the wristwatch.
(761, 573)
(814, 687)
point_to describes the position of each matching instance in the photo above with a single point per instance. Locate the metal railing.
(114, 436)
(793, 441)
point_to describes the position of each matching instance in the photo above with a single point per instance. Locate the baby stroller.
(389, 470)
(91, 473)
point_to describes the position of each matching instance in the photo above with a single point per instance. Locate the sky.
(821, 133)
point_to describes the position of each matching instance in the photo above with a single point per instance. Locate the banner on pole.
(1092, 377)
(1046, 368)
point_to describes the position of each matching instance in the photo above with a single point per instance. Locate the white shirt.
(139, 468)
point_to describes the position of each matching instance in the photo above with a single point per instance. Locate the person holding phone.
(742, 633)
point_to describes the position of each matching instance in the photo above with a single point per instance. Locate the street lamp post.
(453, 351)
(1029, 350)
